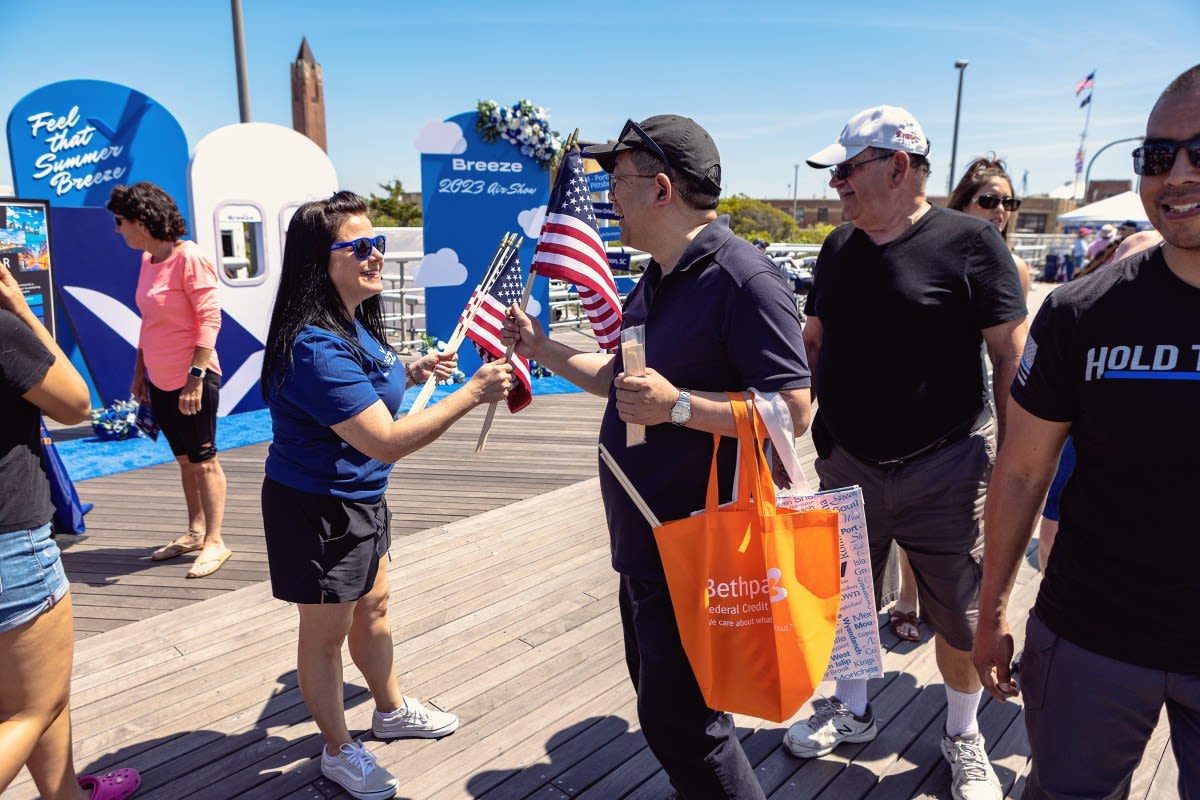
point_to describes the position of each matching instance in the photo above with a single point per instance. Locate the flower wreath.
(523, 124)
(118, 421)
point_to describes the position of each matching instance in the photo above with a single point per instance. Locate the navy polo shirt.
(722, 321)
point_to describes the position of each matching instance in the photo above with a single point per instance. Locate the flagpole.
(572, 140)
(1087, 119)
(472, 309)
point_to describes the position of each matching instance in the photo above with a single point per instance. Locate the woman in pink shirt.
(176, 370)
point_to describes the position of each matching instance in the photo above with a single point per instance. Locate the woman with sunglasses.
(334, 386)
(986, 191)
(176, 370)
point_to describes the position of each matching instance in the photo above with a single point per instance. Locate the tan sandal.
(184, 544)
(902, 618)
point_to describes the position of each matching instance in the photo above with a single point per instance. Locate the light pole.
(961, 66)
(795, 184)
(1087, 176)
(239, 55)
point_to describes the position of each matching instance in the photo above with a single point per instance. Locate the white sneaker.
(972, 775)
(830, 725)
(413, 721)
(355, 770)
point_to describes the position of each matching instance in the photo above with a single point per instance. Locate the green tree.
(815, 234)
(395, 210)
(754, 219)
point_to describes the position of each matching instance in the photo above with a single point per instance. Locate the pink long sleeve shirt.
(180, 312)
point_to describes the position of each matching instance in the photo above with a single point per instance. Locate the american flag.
(570, 249)
(486, 328)
(1086, 83)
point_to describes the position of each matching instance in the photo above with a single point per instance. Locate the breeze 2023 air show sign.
(72, 142)
(473, 192)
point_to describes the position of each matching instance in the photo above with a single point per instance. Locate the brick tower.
(308, 96)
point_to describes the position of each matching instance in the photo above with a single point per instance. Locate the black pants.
(697, 746)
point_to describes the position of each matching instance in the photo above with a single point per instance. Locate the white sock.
(853, 695)
(961, 712)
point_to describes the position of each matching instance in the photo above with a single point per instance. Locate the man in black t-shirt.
(1114, 361)
(903, 300)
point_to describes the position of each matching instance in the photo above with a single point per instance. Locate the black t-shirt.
(1118, 356)
(723, 321)
(24, 490)
(900, 363)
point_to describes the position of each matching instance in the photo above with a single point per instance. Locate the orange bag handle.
(756, 491)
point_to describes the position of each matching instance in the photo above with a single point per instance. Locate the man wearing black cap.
(903, 299)
(718, 317)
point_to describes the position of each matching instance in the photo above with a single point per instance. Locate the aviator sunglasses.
(1155, 158)
(647, 144)
(990, 201)
(362, 246)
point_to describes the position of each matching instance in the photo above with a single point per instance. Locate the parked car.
(797, 273)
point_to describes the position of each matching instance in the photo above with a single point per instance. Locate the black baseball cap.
(679, 142)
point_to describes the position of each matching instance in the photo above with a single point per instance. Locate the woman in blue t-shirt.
(334, 386)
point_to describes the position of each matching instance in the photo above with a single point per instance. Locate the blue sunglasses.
(362, 246)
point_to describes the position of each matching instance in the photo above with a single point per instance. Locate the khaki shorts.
(932, 506)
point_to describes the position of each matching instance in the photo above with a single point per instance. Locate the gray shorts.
(932, 506)
(1089, 718)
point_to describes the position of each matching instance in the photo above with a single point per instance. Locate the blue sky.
(773, 82)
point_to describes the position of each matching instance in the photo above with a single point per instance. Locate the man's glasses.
(1155, 158)
(842, 171)
(362, 246)
(990, 201)
(614, 177)
(646, 143)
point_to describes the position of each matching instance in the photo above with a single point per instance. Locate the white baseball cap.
(885, 127)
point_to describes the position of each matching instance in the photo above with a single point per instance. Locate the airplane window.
(240, 232)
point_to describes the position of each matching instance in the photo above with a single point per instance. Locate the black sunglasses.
(646, 143)
(1155, 158)
(842, 171)
(990, 201)
(362, 246)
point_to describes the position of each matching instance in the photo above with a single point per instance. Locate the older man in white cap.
(903, 298)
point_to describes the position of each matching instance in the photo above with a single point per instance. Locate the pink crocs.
(115, 785)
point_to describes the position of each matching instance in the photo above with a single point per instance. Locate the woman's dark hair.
(979, 172)
(148, 204)
(306, 295)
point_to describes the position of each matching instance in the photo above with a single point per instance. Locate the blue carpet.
(92, 458)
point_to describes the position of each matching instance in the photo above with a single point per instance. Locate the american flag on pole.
(570, 249)
(1086, 83)
(486, 328)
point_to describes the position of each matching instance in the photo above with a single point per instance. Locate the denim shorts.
(31, 576)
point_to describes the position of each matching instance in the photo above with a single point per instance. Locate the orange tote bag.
(755, 588)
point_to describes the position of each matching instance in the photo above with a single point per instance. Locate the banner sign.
(605, 211)
(472, 193)
(25, 251)
(619, 261)
(72, 142)
(597, 181)
(610, 233)
(856, 649)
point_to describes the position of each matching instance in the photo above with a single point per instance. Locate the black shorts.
(194, 436)
(322, 549)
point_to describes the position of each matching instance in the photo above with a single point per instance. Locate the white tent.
(1115, 209)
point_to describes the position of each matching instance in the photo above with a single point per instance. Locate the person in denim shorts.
(35, 603)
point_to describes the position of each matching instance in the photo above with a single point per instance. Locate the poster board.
(25, 251)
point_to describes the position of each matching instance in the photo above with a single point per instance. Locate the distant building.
(1100, 189)
(308, 96)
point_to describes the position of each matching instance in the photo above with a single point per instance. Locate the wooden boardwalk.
(504, 611)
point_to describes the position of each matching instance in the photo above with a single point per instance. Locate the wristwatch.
(681, 412)
(197, 372)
